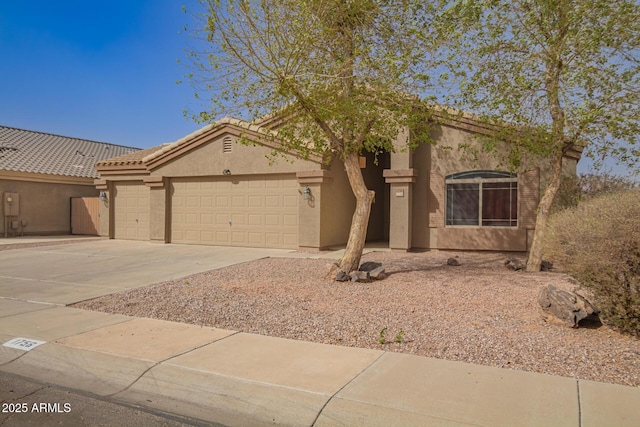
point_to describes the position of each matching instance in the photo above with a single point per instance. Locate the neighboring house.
(208, 189)
(39, 175)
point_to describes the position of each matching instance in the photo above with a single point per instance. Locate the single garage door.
(256, 211)
(131, 211)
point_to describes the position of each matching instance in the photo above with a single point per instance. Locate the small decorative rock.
(378, 273)
(453, 262)
(341, 276)
(513, 263)
(566, 307)
(359, 276)
(546, 266)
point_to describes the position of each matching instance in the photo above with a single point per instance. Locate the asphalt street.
(25, 402)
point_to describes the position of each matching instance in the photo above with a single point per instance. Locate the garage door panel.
(255, 201)
(255, 219)
(222, 219)
(272, 201)
(222, 237)
(240, 238)
(289, 240)
(272, 219)
(256, 239)
(254, 211)
(238, 201)
(131, 211)
(290, 201)
(238, 219)
(290, 220)
(206, 219)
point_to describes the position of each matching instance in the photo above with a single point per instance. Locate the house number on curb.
(24, 344)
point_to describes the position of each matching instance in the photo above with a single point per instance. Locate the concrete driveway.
(69, 273)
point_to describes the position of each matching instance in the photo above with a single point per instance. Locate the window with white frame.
(482, 198)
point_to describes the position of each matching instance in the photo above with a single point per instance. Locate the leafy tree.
(556, 75)
(338, 71)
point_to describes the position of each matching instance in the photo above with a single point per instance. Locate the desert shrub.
(595, 185)
(574, 189)
(598, 243)
(569, 194)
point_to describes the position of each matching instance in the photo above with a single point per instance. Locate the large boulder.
(378, 273)
(360, 276)
(369, 266)
(565, 307)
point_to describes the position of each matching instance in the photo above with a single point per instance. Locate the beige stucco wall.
(45, 206)
(409, 208)
(421, 191)
(209, 159)
(337, 207)
(159, 213)
(433, 164)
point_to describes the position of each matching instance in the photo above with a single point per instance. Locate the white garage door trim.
(250, 211)
(131, 211)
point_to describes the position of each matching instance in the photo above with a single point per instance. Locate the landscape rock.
(359, 276)
(341, 276)
(453, 262)
(369, 266)
(513, 263)
(378, 273)
(565, 307)
(546, 265)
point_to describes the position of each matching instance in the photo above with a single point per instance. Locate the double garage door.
(259, 211)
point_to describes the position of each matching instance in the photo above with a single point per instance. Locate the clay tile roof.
(134, 158)
(38, 152)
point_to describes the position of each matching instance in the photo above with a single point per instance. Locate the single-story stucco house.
(209, 189)
(41, 173)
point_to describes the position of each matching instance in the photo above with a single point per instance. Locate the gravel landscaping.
(478, 312)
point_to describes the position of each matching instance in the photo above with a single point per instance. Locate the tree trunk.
(360, 221)
(552, 82)
(535, 253)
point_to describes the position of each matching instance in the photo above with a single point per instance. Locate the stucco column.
(104, 187)
(157, 208)
(400, 206)
(309, 207)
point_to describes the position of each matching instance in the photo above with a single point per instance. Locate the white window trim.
(480, 181)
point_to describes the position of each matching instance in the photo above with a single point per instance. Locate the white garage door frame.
(248, 210)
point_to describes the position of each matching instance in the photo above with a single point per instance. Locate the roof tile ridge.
(69, 137)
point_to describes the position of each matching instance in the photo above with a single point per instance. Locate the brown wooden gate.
(85, 215)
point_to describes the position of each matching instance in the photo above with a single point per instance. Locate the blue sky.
(104, 71)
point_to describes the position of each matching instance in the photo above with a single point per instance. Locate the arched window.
(482, 198)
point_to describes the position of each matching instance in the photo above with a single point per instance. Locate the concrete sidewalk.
(236, 378)
(245, 379)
